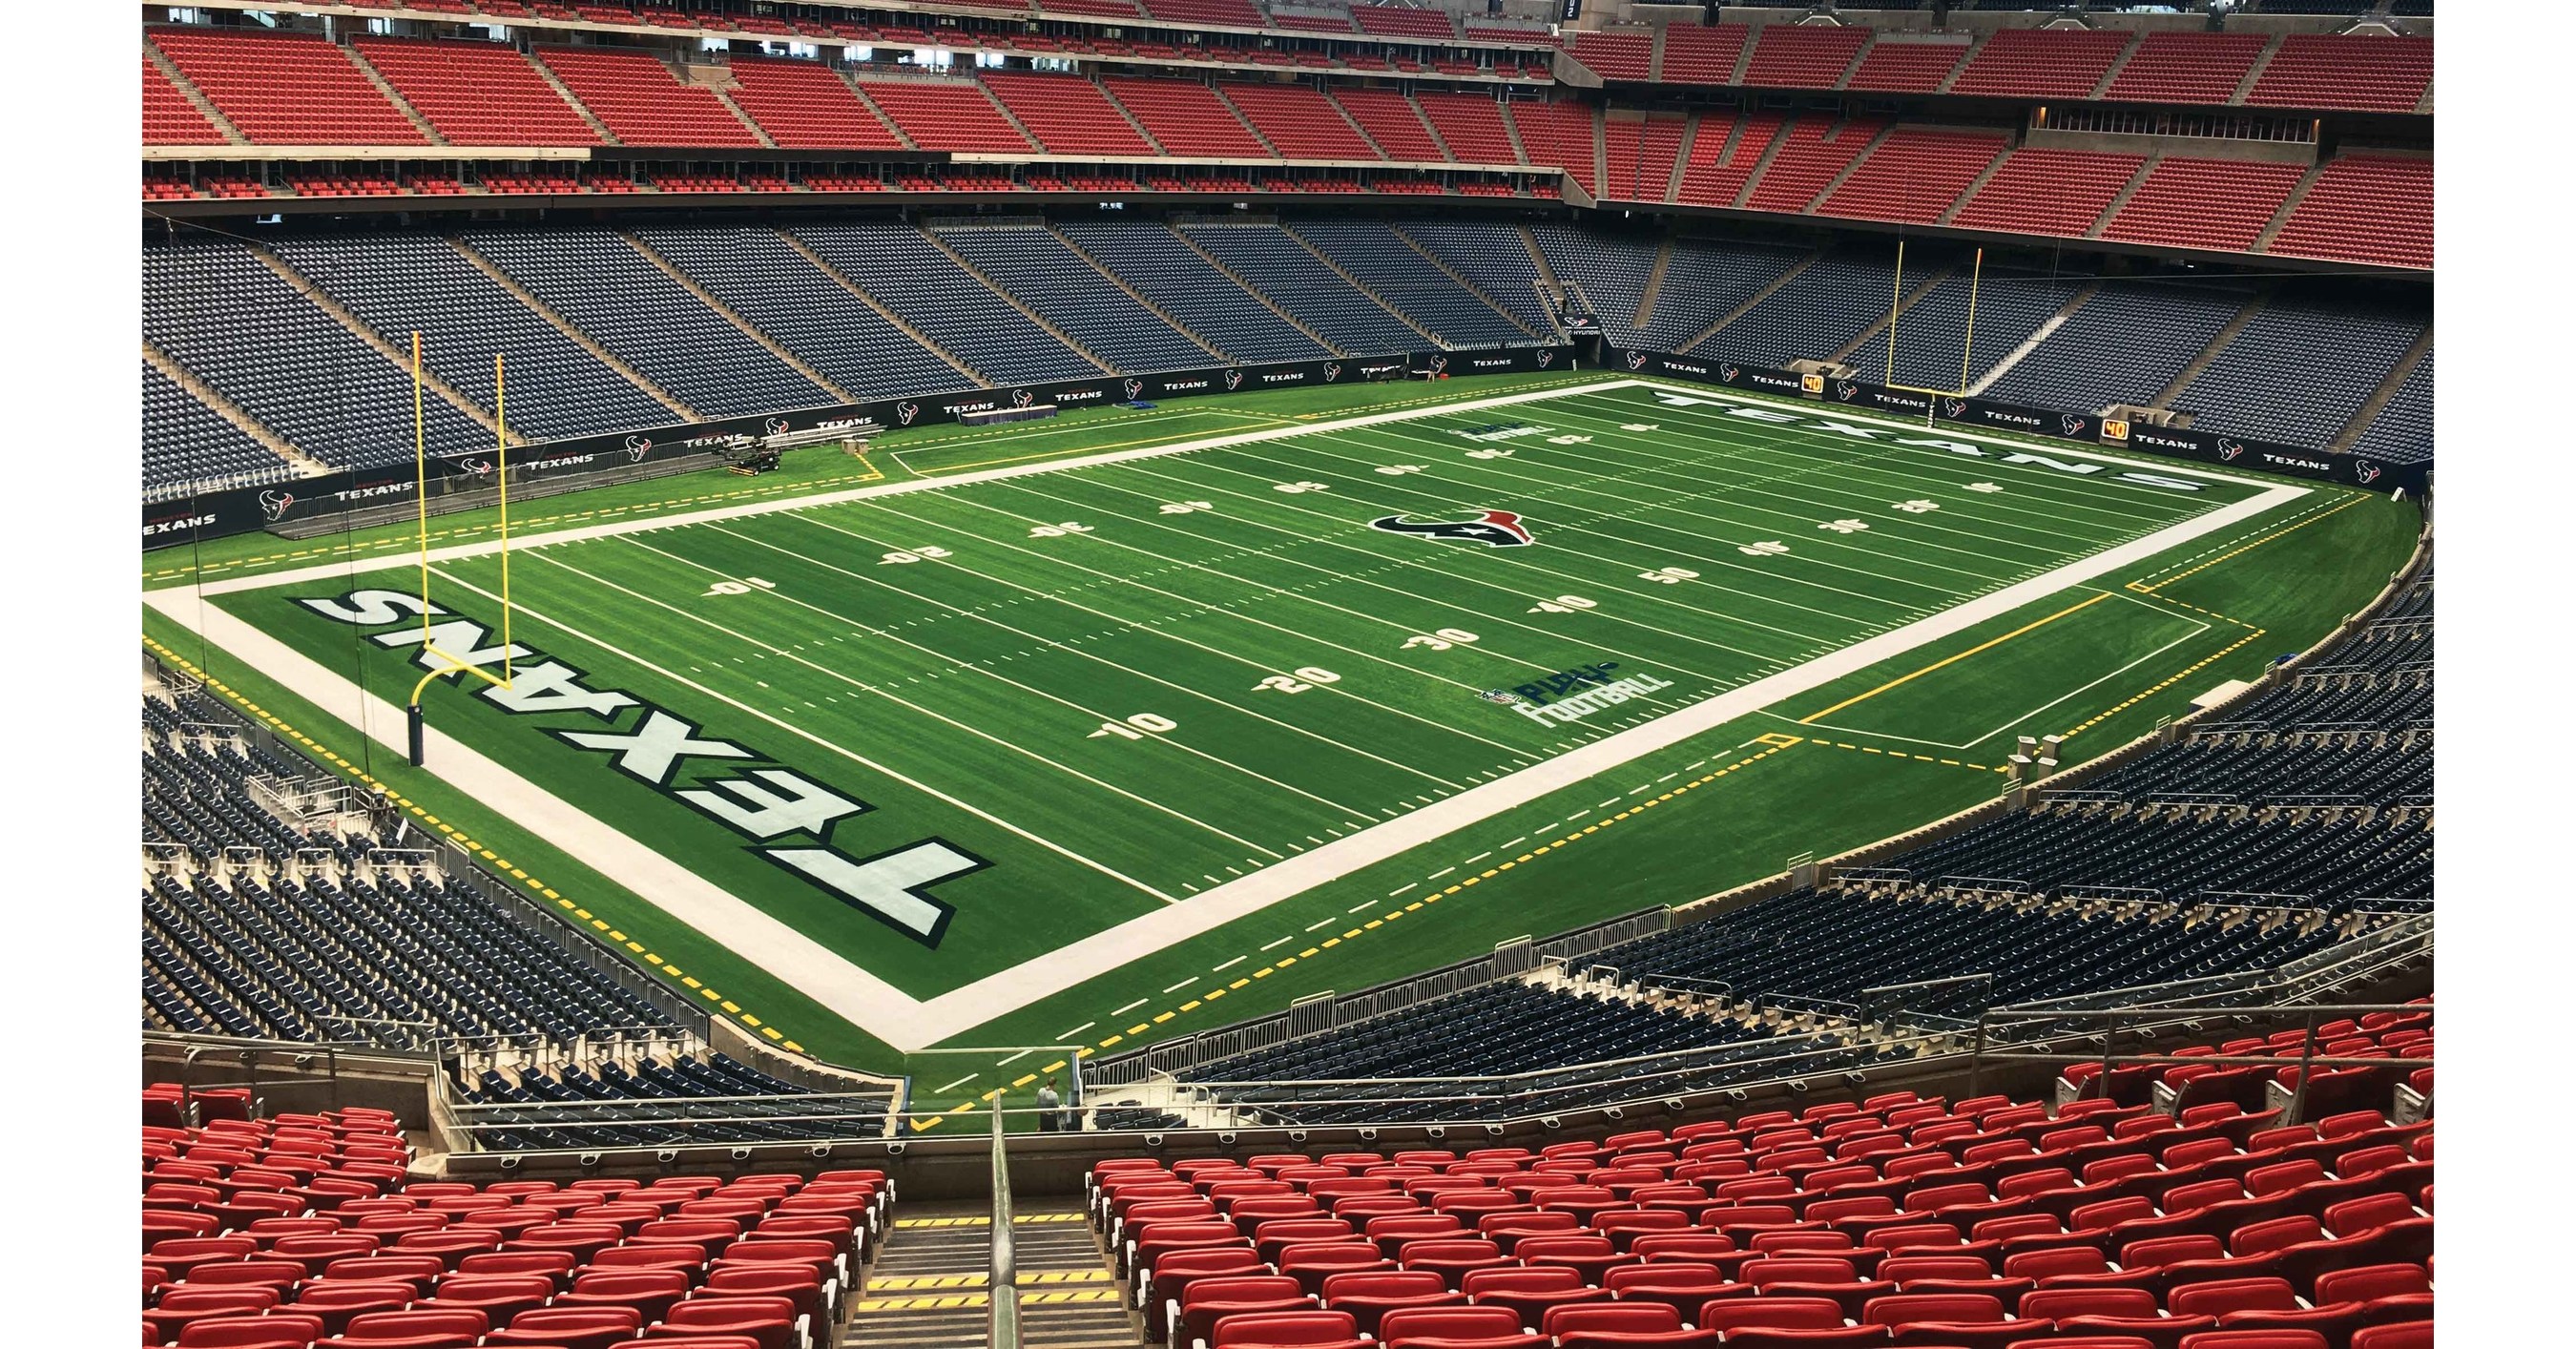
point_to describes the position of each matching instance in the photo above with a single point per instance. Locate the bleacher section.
(1266, 258)
(1704, 280)
(1379, 259)
(2240, 393)
(945, 115)
(2204, 203)
(1914, 175)
(1932, 334)
(1813, 153)
(642, 101)
(1624, 55)
(1068, 116)
(1182, 284)
(230, 321)
(602, 285)
(2403, 431)
(1471, 125)
(185, 442)
(1894, 1220)
(2313, 70)
(1493, 259)
(399, 284)
(2187, 67)
(285, 88)
(1561, 134)
(1698, 55)
(1899, 67)
(1795, 56)
(1610, 269)
(1186, 118)
(661, 1114)
(168, 117)
(927, 290)
(802, 104)
(1299, 121)
(1032, 265)
(1639, 154)
(477, 93)
(1811, 317)
(280, 1232)
(2122, 346)
(1391, 120)
(2052, 63)
(754, 272)
(2049, 192)
(2366, 208)
(1724, 155)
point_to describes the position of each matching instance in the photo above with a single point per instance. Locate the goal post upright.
(416, 720)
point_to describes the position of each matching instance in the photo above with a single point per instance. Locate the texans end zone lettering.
(790, 820)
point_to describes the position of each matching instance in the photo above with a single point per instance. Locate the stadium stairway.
(927, 1288)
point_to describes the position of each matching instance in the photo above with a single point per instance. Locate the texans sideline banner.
(241, 510)
(2296, 461)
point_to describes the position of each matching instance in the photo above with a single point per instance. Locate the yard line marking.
(1125, 626)
(1281, 942)
(1401, 889)
(1320, 922)
(1428, 563)
(1203, 607)
(1182, 984)
(1015, 1058)
(1229, 965)
(1812, 718)
(952, 1086)
(1363, 904)
(1056, 764)
(1067, 1035)
(1129, 1007)
(1176, 744)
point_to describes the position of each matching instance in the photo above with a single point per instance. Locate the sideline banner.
(2322, 465)
(240, 510)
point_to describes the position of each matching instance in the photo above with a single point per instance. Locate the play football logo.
(1494, 529)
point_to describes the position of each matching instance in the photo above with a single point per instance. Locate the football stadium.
(1232, 674)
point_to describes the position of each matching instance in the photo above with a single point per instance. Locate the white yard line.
(908, 1024)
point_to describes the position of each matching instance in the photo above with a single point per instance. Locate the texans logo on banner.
(1494, 529)
(774, 426)
(2074, 425)
(1546, 357)
(1332, 371)
(1728, 374)
(1846, 390)
(636, 448)
(1954, 407)
(1636, 360)
(1021, 398)
(480, 468)
(1135, 389)
(2365, 472)
(2230, 450)
(905, 412)
(1233, 380)
(275, 504)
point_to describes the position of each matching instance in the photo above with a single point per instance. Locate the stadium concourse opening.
(1248, 674)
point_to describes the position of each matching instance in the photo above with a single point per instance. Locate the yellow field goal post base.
(1967, 345)
(430, 650)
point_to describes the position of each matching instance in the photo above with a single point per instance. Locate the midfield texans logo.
(1494, 529)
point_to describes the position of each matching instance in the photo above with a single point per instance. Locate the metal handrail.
(1002, 1291)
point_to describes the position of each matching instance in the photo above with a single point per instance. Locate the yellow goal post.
(441, 661)
(1968, 342)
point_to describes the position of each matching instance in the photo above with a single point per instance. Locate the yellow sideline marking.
(2161, 685)
(1904, 754)
(235, 697)
(1946, 660)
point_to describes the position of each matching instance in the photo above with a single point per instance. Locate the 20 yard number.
(1306, 677)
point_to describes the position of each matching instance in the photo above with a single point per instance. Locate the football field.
(972, 757)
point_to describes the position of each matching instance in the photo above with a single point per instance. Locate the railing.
(1002, 1291)
(2146, 1019)
(866, 1113)
(273, 1065)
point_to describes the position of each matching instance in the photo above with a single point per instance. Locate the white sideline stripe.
(907, 1024)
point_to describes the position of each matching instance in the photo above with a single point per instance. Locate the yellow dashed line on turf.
(235, 697)
(2161, 685)
(1904, 754)
(1774, 744)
